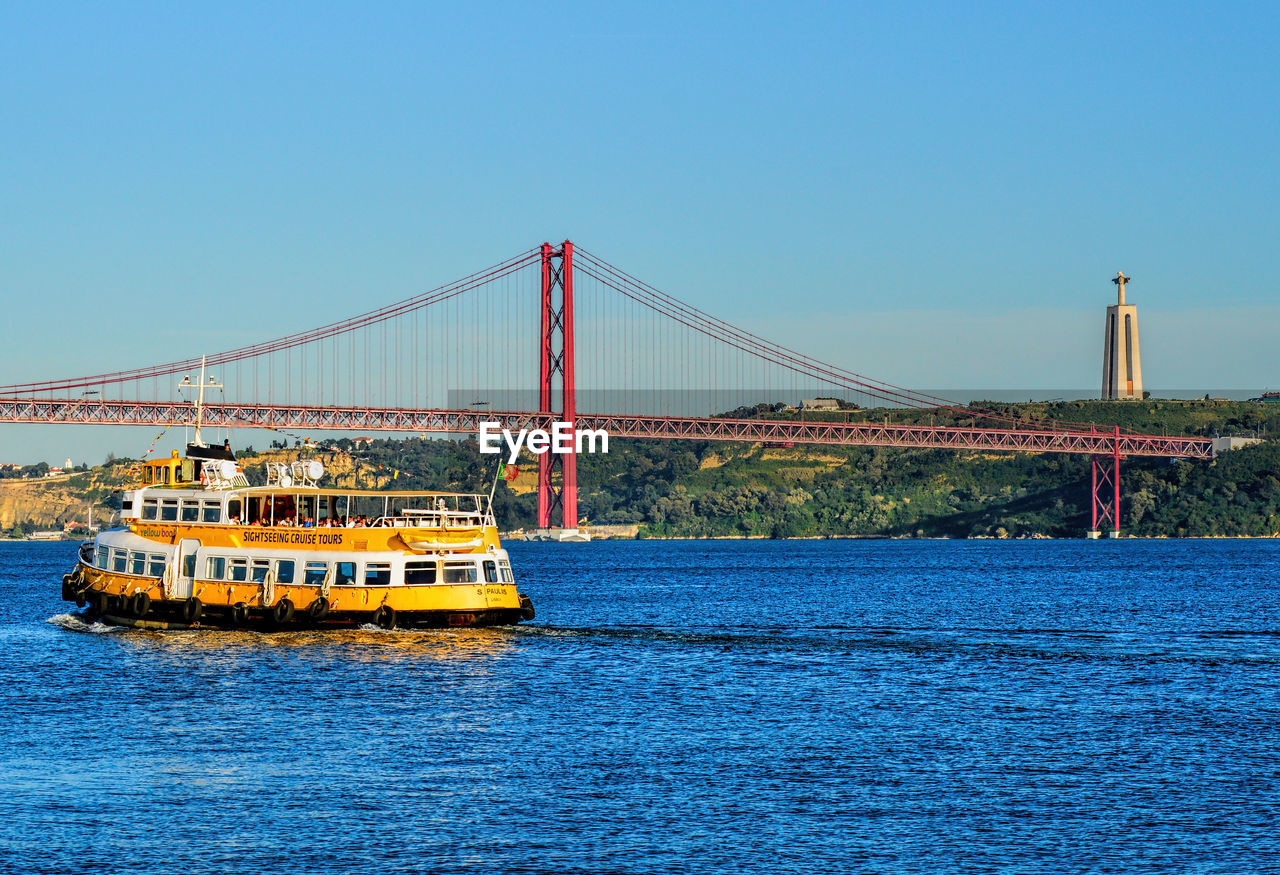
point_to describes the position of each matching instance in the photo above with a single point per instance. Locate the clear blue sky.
(938, 192)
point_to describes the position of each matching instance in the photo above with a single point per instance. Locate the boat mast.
(210, 383)
(200, 405)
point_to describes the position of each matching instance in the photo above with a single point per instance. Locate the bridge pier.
(1105, 491)
(556, 358)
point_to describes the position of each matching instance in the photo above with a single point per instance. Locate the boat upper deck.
(308, 507)
(209, 488)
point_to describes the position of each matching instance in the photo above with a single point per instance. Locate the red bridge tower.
(556, 357)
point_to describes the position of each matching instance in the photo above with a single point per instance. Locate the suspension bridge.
(612, 353)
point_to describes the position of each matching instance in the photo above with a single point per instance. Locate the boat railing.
(448, 519)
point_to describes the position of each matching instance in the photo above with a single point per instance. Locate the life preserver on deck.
(526, 608)
(385, 617)
(318, 609)
(239, 613)
(283, 611)
(191, 610)
(140, 604)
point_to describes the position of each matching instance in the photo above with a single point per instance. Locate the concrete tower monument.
(1121, 365)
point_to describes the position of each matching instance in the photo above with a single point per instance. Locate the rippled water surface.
(726, 706)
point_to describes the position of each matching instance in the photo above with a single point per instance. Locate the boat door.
(186, 566)
(489, 576)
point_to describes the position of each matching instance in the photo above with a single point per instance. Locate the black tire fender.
(318, 609)
(385, 617)
(192, 608)
(239, 613)
(140, 604)
(526, 608)
(283, 611)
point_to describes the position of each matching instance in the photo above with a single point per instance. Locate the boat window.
(190, 511)
(419, 572)
(103, 555)
(150, 509)
(460, 572)
(137, 563)
(505, 567)
(126, 505)
(169, 509)
(189, 565)
(315, 572)
(155, 565)
(490, 571)
(119, 559)
(377, 574)
(233, 510)
(284, 571)
(346, 573)
(238, 569)
(211, 512)
(215, 568)
(260, 569)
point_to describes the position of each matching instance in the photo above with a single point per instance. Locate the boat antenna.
(210, 383)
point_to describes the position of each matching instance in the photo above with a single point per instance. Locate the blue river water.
(837, 706)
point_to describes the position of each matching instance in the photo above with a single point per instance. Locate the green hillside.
(712, 489)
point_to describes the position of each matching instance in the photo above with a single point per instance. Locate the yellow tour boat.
(198, 546)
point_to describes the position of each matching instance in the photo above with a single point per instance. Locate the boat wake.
(76, 623)
(1244, 647)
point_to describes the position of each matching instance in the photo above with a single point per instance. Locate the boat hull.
(264, 622)
(140, 602)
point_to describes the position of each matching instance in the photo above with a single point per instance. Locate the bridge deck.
(102, 412)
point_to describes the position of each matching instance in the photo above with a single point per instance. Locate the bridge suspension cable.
(806, 366)
(483, 351)
(291, 341)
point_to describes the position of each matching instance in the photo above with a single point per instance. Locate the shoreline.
(1123, 537)
(812, 537)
